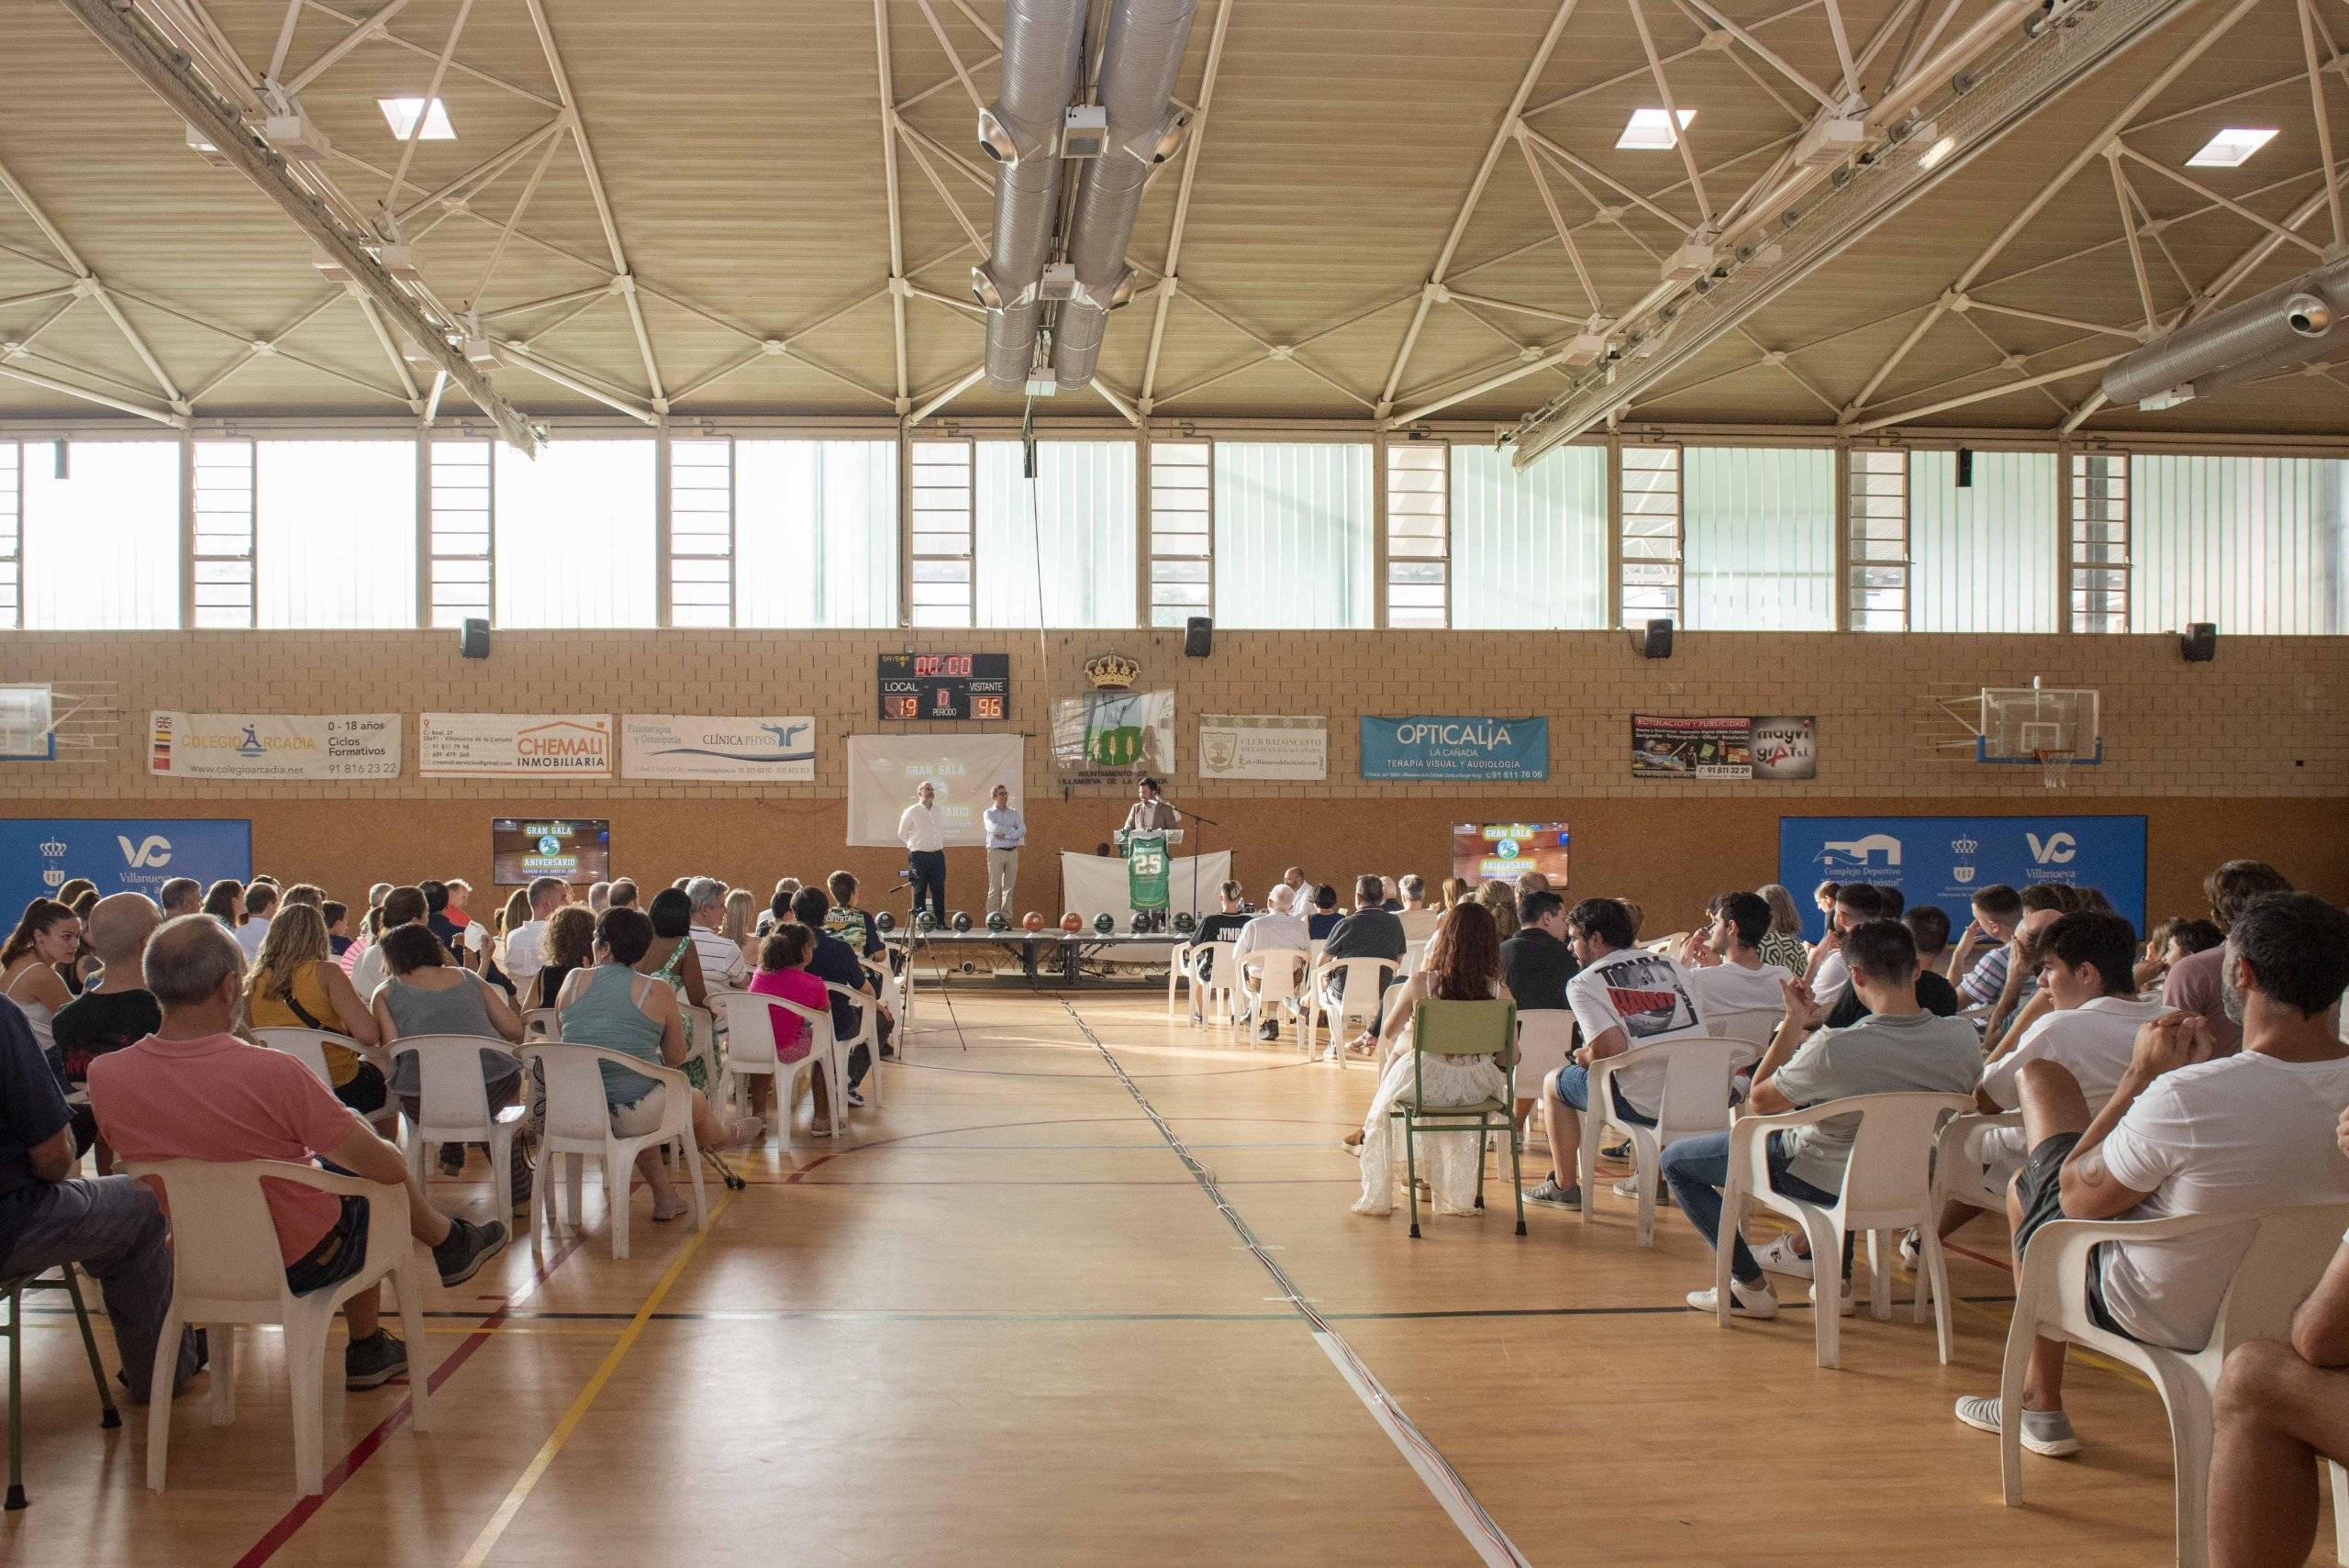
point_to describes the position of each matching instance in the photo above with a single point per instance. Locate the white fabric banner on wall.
(1095, 884)
(275, 746)
(1263, 746)
(509, 745)
(883, 771)
(677, 746)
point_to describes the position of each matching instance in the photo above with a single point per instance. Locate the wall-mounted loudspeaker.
(2199, 642)
(1656, 641)
(472, 638)
(1198, 637)
(1964, 468)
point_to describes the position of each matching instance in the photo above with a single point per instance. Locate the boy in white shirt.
(1724, 961)
(2185, 1134)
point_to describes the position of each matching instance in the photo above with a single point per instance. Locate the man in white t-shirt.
(2185, 1134)
(523, 958)
(1418, 921)
(1622, 997)
(1724, 960)
(1829, 975)
(260, 903)
(1279, 927)
(720, 955)
(2086, 965)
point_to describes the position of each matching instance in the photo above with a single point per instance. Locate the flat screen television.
(1483, 850)
(523, 849)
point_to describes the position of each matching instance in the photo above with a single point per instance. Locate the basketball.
(1033, 921)
(1071, 922)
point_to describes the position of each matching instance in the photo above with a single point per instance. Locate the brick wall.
(2245, 755)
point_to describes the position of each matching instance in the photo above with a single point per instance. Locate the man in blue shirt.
(110, 1227)
(1006, 831)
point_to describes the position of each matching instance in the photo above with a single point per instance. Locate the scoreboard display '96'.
(945, 685)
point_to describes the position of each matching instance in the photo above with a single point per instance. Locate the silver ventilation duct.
(2288, 325)
(1138, 62)
(1044, 47)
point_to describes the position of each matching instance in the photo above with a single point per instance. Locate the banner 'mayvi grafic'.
(1672, 748)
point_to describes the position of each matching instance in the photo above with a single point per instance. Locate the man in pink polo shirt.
(193, 1091)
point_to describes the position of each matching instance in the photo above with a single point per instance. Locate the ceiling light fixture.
(1649, 130)
(400, 114)
(2231, 148)
(1937, 151)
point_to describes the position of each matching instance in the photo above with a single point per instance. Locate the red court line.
(365, 1449)
(1977, 1257)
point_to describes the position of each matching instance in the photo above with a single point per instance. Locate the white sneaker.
(1912, 1251)
(1744, 1300)
(1779, 1257)
(1629, 1187)
(2047, 1432)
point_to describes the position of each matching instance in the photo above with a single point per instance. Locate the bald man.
(118, 1010)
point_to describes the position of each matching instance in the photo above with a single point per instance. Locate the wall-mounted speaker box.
(1198, 637)
(472, 638)
(2200, 643)
(1656, 641)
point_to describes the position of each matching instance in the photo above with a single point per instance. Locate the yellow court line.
(495, 1529)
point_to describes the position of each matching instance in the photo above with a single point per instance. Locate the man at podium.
(1149, 814)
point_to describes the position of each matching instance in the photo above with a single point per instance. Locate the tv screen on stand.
(523, 849)
(1483, 850)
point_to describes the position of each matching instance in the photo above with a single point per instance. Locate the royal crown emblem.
(52, 848)
(1965, 846)
(1112, 671)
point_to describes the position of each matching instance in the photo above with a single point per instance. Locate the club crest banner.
(1263, 746)
(1108, 736)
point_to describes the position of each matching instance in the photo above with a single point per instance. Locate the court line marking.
(1482, 1533)
(486, 1541)
(295, 1517)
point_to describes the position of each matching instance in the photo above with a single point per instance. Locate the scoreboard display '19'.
(945, 685)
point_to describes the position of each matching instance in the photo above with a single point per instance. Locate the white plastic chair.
(1272, 977)
(868, 1035)
(453, 1102)
(579, 1124)
(1960, 1173)
(2289, 1251)
(1178, 972)
(309, 1048)
(1756, 1025)
(896, 988)
(1888, 1188)
(1414, 954)
(751, 1051)
(540, 1023)
(1697, 1073)
(1352, 1005)
(1215, 995)
(227, 1270)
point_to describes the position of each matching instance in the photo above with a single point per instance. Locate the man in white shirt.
(402, 907)
(2188, 1134)
(1723, 961)
(720, 955)
(1418, 921)
(523, 958)
(1829, 975)
(923, 834)
(1622, 997)
(261, 902)
(1006, 831)
(1279, 927)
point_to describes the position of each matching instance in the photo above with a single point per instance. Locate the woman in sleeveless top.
(672, 957)
(614, 1006)
(569, 944)
(1464, 965)
(295, 983)
(428, 993)
(1784, 944)
(50, 934)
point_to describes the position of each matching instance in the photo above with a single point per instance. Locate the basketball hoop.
(2055, 768)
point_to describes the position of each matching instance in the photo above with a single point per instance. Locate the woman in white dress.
(49, 935)
(1463, 964)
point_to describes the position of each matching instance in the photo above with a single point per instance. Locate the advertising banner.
(884, 772)
(274, 745)
(758, 750)
(1263, 746)
(40, 854)
(516, 745)
(1111, 736)
(1776, 747)
(1454, 748)
(1942, 860)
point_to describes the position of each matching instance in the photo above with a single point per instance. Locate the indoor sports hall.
(1050, 782)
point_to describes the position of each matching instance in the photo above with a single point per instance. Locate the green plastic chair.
(13, 1289)
(1463, 1028)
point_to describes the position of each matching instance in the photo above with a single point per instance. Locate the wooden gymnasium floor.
(1005, 1323)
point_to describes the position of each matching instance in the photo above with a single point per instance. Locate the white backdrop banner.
(515, 745)
(1095, 884)
(883, 771)
(1263, 746)
(274, 745)
(677, 746)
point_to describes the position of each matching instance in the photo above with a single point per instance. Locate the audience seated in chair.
(568, 944)
(721, 956)
(2189, 1131)
(782, 972)
(115, 1010)
(296, 984)
(837, 963)
(1928, 929)
(1464, 965)
(194, 1091)
(612, 1005)
(1325, 917)
(1370, 931)
(524, 953)
(1278, 927)
(1899, 1049)
(429, 994)
(1784, 946)
(2282, 1407)
(1829, 975)
(401, 907)
(1537, 966)
(2192, 984)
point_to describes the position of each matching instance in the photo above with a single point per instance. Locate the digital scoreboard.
(945, 685)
